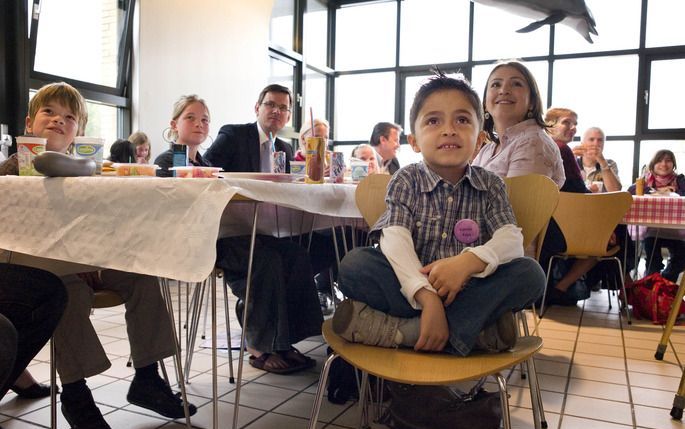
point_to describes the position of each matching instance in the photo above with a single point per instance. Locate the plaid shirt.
(421, 201)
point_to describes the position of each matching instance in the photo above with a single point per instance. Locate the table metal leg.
(53, 386)
(672, 316)
(244, 324)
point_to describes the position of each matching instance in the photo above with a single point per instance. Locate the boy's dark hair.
(382, 129)
(122, 151)
(274, 87)
(659, 156)
(535, 98)
(440, 82)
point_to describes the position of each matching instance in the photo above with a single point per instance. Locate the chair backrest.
(588, 220)
(533, 198)
(370, 197)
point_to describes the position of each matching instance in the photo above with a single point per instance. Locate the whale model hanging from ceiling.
(573, 13)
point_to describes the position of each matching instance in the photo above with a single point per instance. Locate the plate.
(272, 177)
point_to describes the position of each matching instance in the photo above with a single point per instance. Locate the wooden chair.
(405, 365)
(587, 222)
(533, 198)
(370, 197)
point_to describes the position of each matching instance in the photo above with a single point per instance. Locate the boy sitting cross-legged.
(450, 269)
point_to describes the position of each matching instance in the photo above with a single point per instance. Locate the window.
(97, 58)
(428, 37)
(665, 23)
(495, 36)
(281, 28)
(315, 39)
(383, 49)
(99, 68)
(365, 36)
(315, 93)
(601, 96)
(282, 72)
(355, 112)
(663, 91)
(613, 33)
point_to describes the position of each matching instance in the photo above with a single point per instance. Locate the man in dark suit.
(245, 147)
(284, 306)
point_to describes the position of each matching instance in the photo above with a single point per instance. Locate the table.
(163, 227)
(657, 212)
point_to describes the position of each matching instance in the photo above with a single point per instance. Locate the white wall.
(214, 48)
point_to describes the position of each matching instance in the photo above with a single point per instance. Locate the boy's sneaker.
(156, 395)
(81, 412)
(500, 336)
(358, 323)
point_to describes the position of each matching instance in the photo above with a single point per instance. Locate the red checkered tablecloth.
(656, 211)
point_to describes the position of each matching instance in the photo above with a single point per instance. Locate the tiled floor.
(595, 372)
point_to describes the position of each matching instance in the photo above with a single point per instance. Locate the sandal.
(262, 362)
(298, 358)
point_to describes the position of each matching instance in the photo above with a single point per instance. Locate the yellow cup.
(640, 186)
(314, 159)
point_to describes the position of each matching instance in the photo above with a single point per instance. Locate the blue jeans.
(366, 275)
(32, 300)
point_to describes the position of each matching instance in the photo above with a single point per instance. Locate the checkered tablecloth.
(657, 211)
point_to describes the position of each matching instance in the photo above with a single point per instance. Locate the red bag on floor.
(652, 298)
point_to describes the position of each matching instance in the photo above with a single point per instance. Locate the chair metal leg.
(231, 377)
(623, 288)
(544, 294)
(53, 385)
(535, 395)
(318, 399)
(504, 400)
(364, 402)
(194, 319)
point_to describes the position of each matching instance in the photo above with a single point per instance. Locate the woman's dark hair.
(535, 98)
(659, 156)
(122, 151)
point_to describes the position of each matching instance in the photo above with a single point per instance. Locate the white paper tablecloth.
(162, 227)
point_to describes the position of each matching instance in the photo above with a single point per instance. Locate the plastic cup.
(315, 159)
(27, 149)
(640, 186)
(599, 184)
(297, 168)
(90, 147)
(278, 166)
(359, 170)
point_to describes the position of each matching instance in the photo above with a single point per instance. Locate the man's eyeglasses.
(281, 107)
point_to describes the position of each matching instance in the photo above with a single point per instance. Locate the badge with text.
(466, 231)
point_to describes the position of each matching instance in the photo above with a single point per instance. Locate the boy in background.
(450, 269)
(57, 112)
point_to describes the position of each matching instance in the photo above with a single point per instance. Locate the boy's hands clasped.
(447, 276)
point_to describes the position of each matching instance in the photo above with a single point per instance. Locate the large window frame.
(645, 55)
(118, 96)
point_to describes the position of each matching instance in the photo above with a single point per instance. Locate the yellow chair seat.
(408, 366)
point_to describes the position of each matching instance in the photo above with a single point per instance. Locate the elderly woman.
(365, 152)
